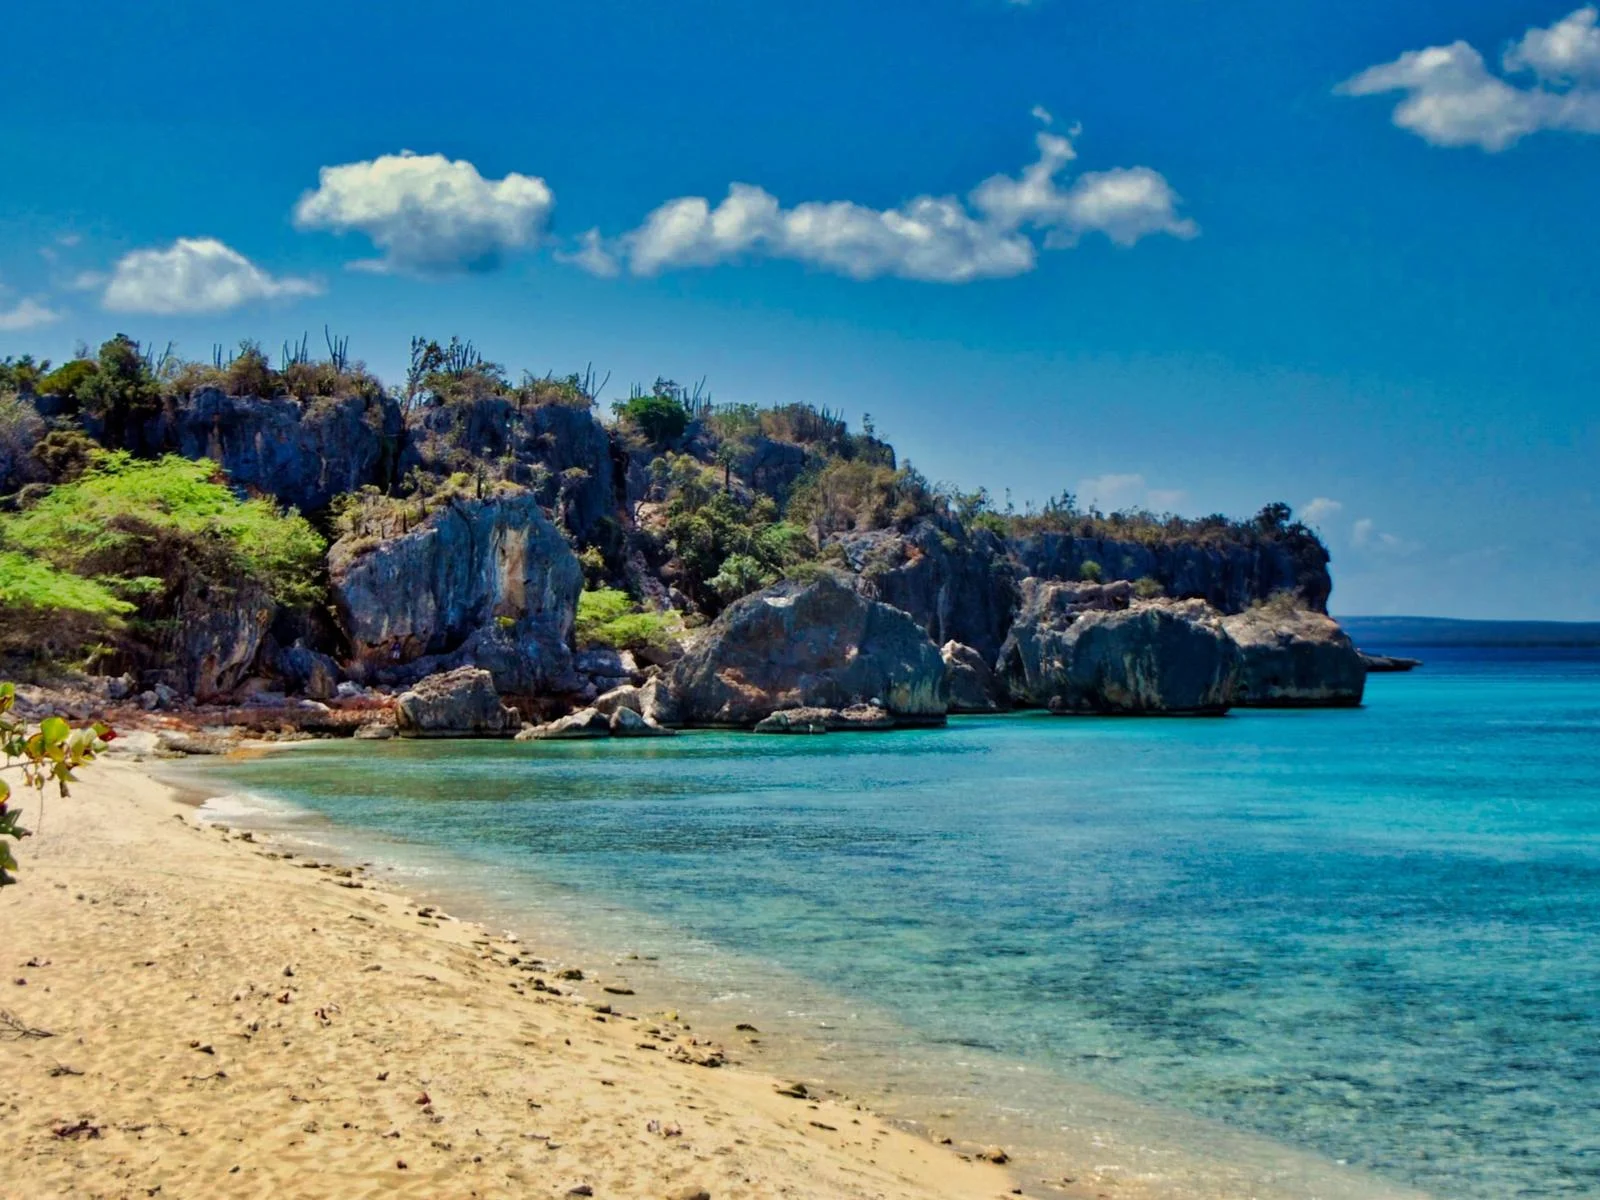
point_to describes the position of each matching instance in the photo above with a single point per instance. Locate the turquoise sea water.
(1366, 937)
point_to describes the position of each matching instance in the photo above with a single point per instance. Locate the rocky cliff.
(302, 454)
(957, 584)
(1228, 577)
(490, 583)
(561, 452)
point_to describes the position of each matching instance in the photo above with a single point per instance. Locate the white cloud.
(428, 214)
(1364, 535)
(1111, 491)
(1125, 203)
(1451, 98)
(1567, 52)
(194, 275)
(27, 313)
(1165, 499)
(1042, 115)
(593, 255)
(932, 238)
(1320, 509)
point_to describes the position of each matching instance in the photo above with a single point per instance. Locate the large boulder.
(489, 583)
(974, 687)
(1291, 658)
(818, 644)
(958, 584)
(1088, 649)
(459, 703)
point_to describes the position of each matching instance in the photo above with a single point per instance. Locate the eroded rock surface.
(1079, 648)
(459, 703)
(818, 644)
(1291, 658)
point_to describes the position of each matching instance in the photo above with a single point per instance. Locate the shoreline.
(1110, 1146)
(228, 1022)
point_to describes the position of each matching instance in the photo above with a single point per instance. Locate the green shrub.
(172, 518)
(608, 617)
(1148, 588)
(67, 380)
(659, 416)
(1091, 572)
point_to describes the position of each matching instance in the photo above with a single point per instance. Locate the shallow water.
(1210, 955)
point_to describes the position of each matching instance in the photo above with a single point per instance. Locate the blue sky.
(1264, 251)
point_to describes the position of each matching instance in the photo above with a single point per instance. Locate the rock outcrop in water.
(808, 645)
(974, 687)
(1291, 658)
(459, 703)
(1087, 648)
(490, 583)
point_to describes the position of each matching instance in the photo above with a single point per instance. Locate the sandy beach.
(228, 1021)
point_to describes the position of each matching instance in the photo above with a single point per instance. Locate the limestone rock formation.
(302, 454)
(459, 703)
(974, 687)
(818, 644)
(1387, 663)
(626, 722)
(1291, 658)
(862, 718)
(956, 584)
(561, 451)
(220, 637)
(1229, 577)
(488, 582)
(585, 723)
(1089, 649)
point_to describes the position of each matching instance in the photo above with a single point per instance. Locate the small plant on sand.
(48, 753)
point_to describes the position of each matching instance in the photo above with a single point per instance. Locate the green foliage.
(67, 381)
(48, 754)
(608, 617)
(172, 518)
(1091, 572)
(28, 582)
(739, 575)
(857, 494)
(1148, 588)
(65, 453)
(122, 389)
(20, 431)
(659, 416)
(726, 548)
(594, 566)
(22, 373)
